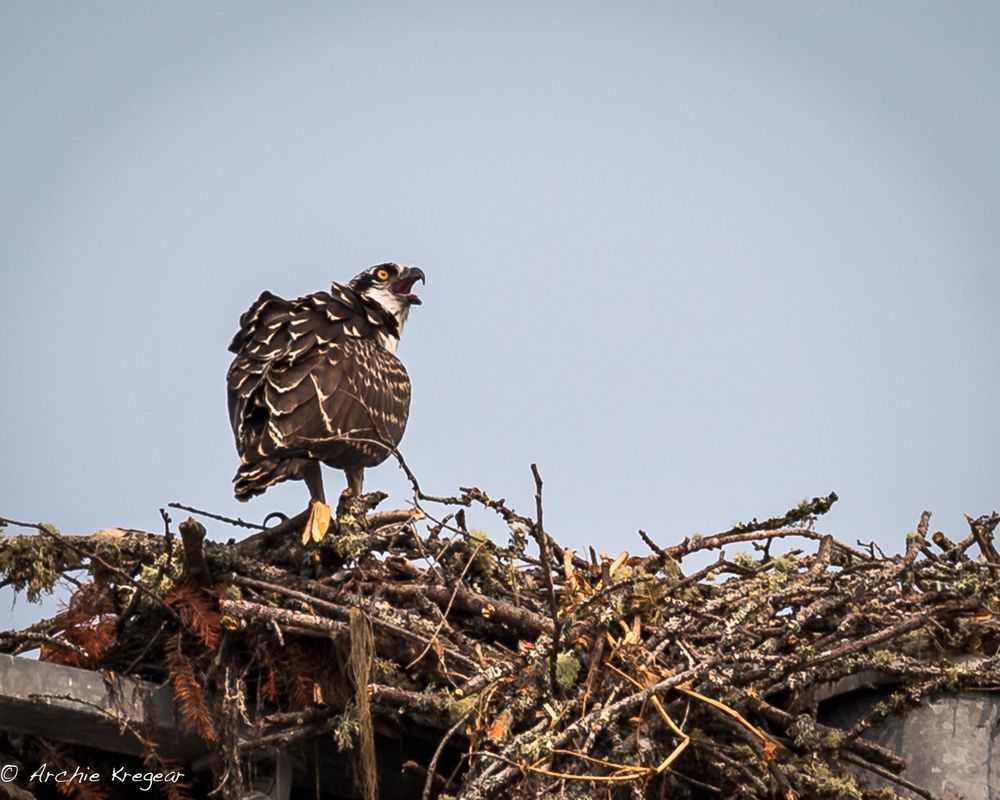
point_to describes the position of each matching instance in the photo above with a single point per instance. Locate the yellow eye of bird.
(382, 274)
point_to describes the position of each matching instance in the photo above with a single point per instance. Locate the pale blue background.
(698, 260)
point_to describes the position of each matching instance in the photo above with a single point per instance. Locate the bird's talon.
(318, 523)
(274, 515)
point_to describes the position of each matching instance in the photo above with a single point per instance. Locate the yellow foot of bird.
(318, 523)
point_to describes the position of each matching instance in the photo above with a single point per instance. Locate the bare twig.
(235, 522)
(542, 539)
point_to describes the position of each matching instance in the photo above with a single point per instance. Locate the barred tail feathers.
(254, 478)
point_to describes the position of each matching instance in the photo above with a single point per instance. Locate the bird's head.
(391, 286)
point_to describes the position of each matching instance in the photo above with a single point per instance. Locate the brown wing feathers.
(310, 381)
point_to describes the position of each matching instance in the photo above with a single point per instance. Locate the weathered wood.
(89, 708)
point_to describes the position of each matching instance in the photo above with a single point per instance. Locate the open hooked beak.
(404, 284)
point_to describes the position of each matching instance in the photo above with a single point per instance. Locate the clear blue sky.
(697, 260)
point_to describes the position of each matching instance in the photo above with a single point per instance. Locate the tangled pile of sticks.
(530, 669)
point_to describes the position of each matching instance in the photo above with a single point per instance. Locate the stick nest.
(531, 670)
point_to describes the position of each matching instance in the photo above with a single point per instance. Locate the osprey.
(316, 380)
